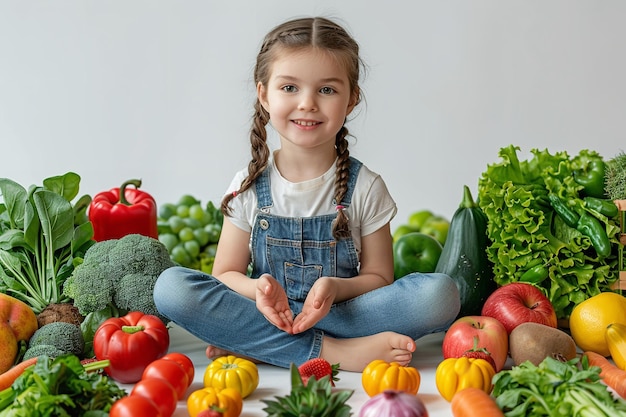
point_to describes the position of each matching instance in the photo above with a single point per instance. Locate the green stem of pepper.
(123, 200)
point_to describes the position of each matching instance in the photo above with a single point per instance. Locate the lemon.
(590, 318)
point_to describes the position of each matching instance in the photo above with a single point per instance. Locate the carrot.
(474, 402)
(612, 376)
(8, 377)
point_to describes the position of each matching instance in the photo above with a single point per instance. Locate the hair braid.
(260, 154)
(341, 225)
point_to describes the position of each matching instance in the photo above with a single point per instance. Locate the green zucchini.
(464, 256)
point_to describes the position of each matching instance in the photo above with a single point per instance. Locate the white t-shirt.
(371, 207)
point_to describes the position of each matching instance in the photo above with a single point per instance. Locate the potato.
(534, 342)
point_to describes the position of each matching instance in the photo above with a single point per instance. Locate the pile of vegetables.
(190, 232)
(555, 388)
(60, 387)
(42, 233)
(116, 276)
(531, 241)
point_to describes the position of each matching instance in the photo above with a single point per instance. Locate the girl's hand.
(271, 301)
(317, 304)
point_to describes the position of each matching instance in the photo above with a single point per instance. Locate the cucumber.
(464, 256)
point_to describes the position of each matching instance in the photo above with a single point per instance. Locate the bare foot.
(213, 352)
(356, 353)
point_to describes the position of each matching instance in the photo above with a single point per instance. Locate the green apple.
(403, 229)
(415, 252)
(437, 227)
(418, 218)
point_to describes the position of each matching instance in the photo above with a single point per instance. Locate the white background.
(162, 90)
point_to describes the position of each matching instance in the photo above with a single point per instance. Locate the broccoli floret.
(118, 271)
(90, 286)
(48, 350)
(130, 294)
(140, 254)
(66, 337)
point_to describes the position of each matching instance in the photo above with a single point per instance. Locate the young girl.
(313, 223)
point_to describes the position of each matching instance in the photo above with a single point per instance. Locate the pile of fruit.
(190, 232)
(427, 222)
(518, 321)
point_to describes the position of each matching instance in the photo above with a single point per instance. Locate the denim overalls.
(297, 251)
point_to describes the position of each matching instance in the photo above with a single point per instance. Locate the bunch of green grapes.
(190, 232)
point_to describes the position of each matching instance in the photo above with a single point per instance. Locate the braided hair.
(297, 34)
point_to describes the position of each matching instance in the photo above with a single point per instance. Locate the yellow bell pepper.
(379, 376)
(454, 374)
(615, 335)
(232, 372)
(228, 399)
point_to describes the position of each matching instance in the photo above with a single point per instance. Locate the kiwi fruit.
(534, 342)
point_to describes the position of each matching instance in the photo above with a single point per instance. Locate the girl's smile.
(306, 124)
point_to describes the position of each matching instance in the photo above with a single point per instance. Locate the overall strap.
(263, 191)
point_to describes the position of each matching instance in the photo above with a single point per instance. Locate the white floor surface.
(274, 381)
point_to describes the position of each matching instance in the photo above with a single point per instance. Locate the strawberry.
(212, 411)
(319, 368)
(480, 353)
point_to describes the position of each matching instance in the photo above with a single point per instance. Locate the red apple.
(517, 303)
(491, 335)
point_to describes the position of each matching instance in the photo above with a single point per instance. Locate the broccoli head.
(66, 337)
(48, 350)
(118, 271)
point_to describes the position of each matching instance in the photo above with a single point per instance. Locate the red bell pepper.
(130, 343)
(123, 211)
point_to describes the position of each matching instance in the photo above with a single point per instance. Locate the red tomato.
(160, 391)
(172, 372)
(134, 406)
(184, 361)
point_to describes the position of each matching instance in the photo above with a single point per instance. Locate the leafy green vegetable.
(555, 388)
(60, 387)
(524, 229)
(41, 235)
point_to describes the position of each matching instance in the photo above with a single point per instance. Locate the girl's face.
(308, 97)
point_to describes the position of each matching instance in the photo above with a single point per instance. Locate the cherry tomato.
(134, 406)
(184, 361)
(171, 371)
(160, 392)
